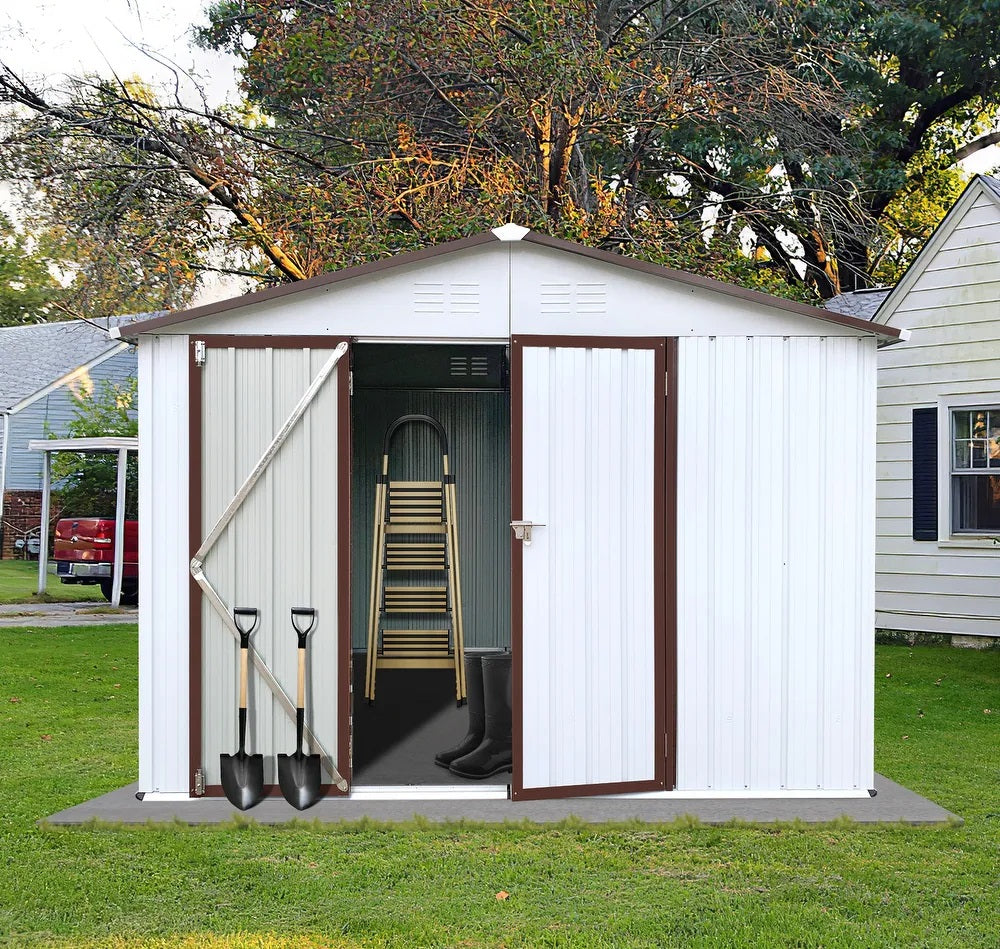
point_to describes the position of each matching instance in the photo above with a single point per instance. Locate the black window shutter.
(925, 486)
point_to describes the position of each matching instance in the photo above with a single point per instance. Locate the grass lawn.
(68, 730)
(19, 581)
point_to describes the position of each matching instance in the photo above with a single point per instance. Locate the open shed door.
(270, 528)
(588, 611)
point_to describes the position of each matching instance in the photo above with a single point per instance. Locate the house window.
(975, 470)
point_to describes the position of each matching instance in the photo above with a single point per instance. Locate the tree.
(97, 173)
(87, 482)
(410, 123)
(29, 291)
(922, 92)
(555, 114)
(669, 130)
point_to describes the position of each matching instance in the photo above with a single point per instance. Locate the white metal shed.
(694, 613)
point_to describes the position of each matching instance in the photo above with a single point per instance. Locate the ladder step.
(415, 599)
(415, 556)
(417, 663)
(415, 502)
(415, 643)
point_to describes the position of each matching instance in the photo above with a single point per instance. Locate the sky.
(55, 38)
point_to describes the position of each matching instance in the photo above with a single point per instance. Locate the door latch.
(522, 530)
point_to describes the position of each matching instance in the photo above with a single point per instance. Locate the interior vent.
(469, 366)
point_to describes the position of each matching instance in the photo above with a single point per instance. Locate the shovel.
(243, 774)
(299, 774)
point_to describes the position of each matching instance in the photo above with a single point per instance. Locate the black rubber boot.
(495, 753)
(477, 713)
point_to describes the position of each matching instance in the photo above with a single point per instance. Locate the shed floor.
(893, 803)
(414, 718)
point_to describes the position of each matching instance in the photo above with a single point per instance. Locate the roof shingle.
(33, 356)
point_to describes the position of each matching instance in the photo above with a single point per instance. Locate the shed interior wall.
(478, 427)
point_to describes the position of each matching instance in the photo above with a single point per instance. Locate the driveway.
(65, 614)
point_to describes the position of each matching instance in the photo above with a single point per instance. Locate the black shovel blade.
(300, 779)
(242, 778)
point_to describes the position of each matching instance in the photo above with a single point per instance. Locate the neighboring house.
(42, 367)
(938, 460)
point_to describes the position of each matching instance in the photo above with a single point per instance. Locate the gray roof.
(992, 183)
(34, 356)
(861, 304)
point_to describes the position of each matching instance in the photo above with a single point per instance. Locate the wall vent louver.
(469, 366)
(568, 299)
(438, 299)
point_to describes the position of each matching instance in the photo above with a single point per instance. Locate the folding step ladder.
(416, 531)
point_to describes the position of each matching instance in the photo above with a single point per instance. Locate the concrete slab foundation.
(892, 804)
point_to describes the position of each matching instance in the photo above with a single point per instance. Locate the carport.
(104, 445)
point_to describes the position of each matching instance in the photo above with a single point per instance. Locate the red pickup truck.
(85, 553)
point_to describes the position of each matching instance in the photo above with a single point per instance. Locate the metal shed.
(694, 612)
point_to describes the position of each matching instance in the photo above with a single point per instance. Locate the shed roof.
(36, 355)
(500, 235)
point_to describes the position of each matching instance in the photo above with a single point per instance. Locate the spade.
(243, 774)
(299, 774)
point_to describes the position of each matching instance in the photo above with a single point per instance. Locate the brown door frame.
(195, 685)
(664, 554)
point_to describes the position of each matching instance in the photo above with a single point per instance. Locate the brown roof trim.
(708, 283)
(297, 286)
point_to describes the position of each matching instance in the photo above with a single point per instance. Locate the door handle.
(522, 530)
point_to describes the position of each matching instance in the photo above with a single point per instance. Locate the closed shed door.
(588, 590)
(284, 547)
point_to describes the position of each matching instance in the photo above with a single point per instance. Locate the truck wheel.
(130, 592)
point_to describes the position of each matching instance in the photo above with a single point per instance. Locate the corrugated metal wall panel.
(776, 561)
(478, 428)
(163, 565)
(588, 631)
(280, 550)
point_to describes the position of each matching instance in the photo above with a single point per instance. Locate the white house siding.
(52, 413)
(775, 563)
(163, 564)
(952, 309)
(279, 552)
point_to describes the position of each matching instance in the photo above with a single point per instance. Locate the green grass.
(19, 581)
(72, 734)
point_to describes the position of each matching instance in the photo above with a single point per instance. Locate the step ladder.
(416, 533)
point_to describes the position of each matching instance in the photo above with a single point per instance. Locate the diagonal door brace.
(216, 601)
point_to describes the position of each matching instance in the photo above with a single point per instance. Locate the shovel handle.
(307, 612)
(301, 696)
(240, 615)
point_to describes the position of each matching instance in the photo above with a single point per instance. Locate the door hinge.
(199, 353)
(350, 383)
(199, 782)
